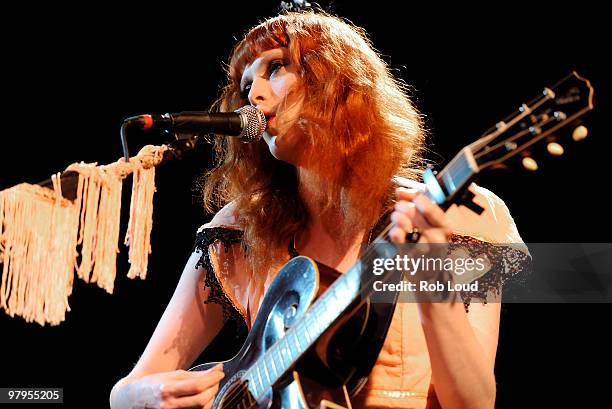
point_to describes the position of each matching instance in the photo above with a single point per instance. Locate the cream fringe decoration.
(40, 232)
(138, 235)
(37, 256)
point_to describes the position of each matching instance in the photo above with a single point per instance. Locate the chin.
(281, 151)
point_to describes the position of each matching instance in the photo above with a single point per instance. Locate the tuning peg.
(530, 164)
(580, 133)
(555, 149)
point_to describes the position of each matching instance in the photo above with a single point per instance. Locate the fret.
(305, 331)
(276, 372)
(434, 190)
(330, 301)
(326, 312)
(354, 279)
(279, 354)
(457, 175)
(327, 309)
(286, 352)
(311, 320)
(247, 377)
(261, 381)
(263, 360)
(316, 318)
(459, 171)
(449, 182)
(343, 292)
(295, 335)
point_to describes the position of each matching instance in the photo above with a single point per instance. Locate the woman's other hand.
(180, 389)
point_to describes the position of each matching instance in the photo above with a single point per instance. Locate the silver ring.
(413, 236)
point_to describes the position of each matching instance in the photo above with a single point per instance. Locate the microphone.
(247, 123)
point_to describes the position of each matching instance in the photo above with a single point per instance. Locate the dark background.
(72, 73)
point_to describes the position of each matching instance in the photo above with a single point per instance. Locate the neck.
(329, 235)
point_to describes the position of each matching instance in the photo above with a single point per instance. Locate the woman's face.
(267, 83)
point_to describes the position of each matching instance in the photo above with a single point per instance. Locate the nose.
(259, 92)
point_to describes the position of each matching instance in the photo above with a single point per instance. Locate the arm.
(184, 330)
(461, 347)
(462, 350)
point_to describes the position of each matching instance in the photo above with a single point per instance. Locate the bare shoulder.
(225, 217)
(495, 224)
(489, 200)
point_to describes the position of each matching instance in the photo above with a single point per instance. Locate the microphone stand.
(182, 144)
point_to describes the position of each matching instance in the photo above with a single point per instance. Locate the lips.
(271, 121)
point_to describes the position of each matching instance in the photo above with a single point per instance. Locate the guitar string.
(236, 394)
(532, 105)
(535, 106)
(513, 138)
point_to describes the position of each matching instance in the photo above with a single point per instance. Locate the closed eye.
(244, 92)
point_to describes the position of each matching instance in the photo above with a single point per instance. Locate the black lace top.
(204, 238)
(506, 261)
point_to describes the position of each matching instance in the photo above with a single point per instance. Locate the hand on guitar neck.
(415, 212)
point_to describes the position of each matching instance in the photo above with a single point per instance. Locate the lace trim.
(506, 261)
(204, 238)
(506, 264)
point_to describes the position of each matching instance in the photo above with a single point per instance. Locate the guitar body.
(329, 371)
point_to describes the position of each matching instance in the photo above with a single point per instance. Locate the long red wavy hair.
(356, 118)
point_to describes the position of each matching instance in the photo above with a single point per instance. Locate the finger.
(397, 235)
(401, 217)
(434, 215)
(405, 206)
(402, 221)
(182, 374)
(218, 367)
(181, 388)
(429, 233)
(200, 400)
(197, 374)
(404, 193)
(192, 386)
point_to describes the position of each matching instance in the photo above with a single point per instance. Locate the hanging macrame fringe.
(43, 234)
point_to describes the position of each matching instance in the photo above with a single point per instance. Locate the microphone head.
(253, 123)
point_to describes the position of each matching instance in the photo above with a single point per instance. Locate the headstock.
(536, 122)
